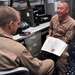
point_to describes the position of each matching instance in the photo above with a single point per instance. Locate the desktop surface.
(32, 30)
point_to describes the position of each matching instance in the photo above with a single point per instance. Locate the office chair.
(16, 71)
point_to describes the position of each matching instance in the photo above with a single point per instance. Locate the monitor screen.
(27, 16)
(40, 9)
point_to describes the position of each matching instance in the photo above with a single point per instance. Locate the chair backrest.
(16, 71)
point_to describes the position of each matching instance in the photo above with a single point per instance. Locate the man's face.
(62, 9)
(15, 26)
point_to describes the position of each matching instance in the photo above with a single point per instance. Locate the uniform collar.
(66, 20)
(5, 34)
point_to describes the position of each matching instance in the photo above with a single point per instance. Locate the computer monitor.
(31, 15)
(27, 15)
(40, 9)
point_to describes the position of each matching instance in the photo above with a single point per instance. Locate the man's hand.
(47, 36)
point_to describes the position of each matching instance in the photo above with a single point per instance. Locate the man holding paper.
(62, 27)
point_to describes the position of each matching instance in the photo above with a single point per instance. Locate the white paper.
(28, 14)
(54, 45)
(50, 1)
(17, 37)
(56, 5)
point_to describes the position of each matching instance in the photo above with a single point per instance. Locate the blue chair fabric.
(71, 60)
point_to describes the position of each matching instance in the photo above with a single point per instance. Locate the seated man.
(62, 26)
(12, 53)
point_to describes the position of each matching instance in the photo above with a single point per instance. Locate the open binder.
(54, 46)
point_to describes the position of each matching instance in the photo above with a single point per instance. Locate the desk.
(33, 41)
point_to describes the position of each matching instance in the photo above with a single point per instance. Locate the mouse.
(24, 33)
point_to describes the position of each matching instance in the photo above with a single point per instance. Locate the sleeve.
(27, 60)
(50, 28)
(69, 34)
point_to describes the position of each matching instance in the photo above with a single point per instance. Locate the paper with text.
(54, 45)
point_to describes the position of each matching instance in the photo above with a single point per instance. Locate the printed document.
(54, 46)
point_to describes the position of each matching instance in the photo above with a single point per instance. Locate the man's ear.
(10, 24)
(67, 11)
